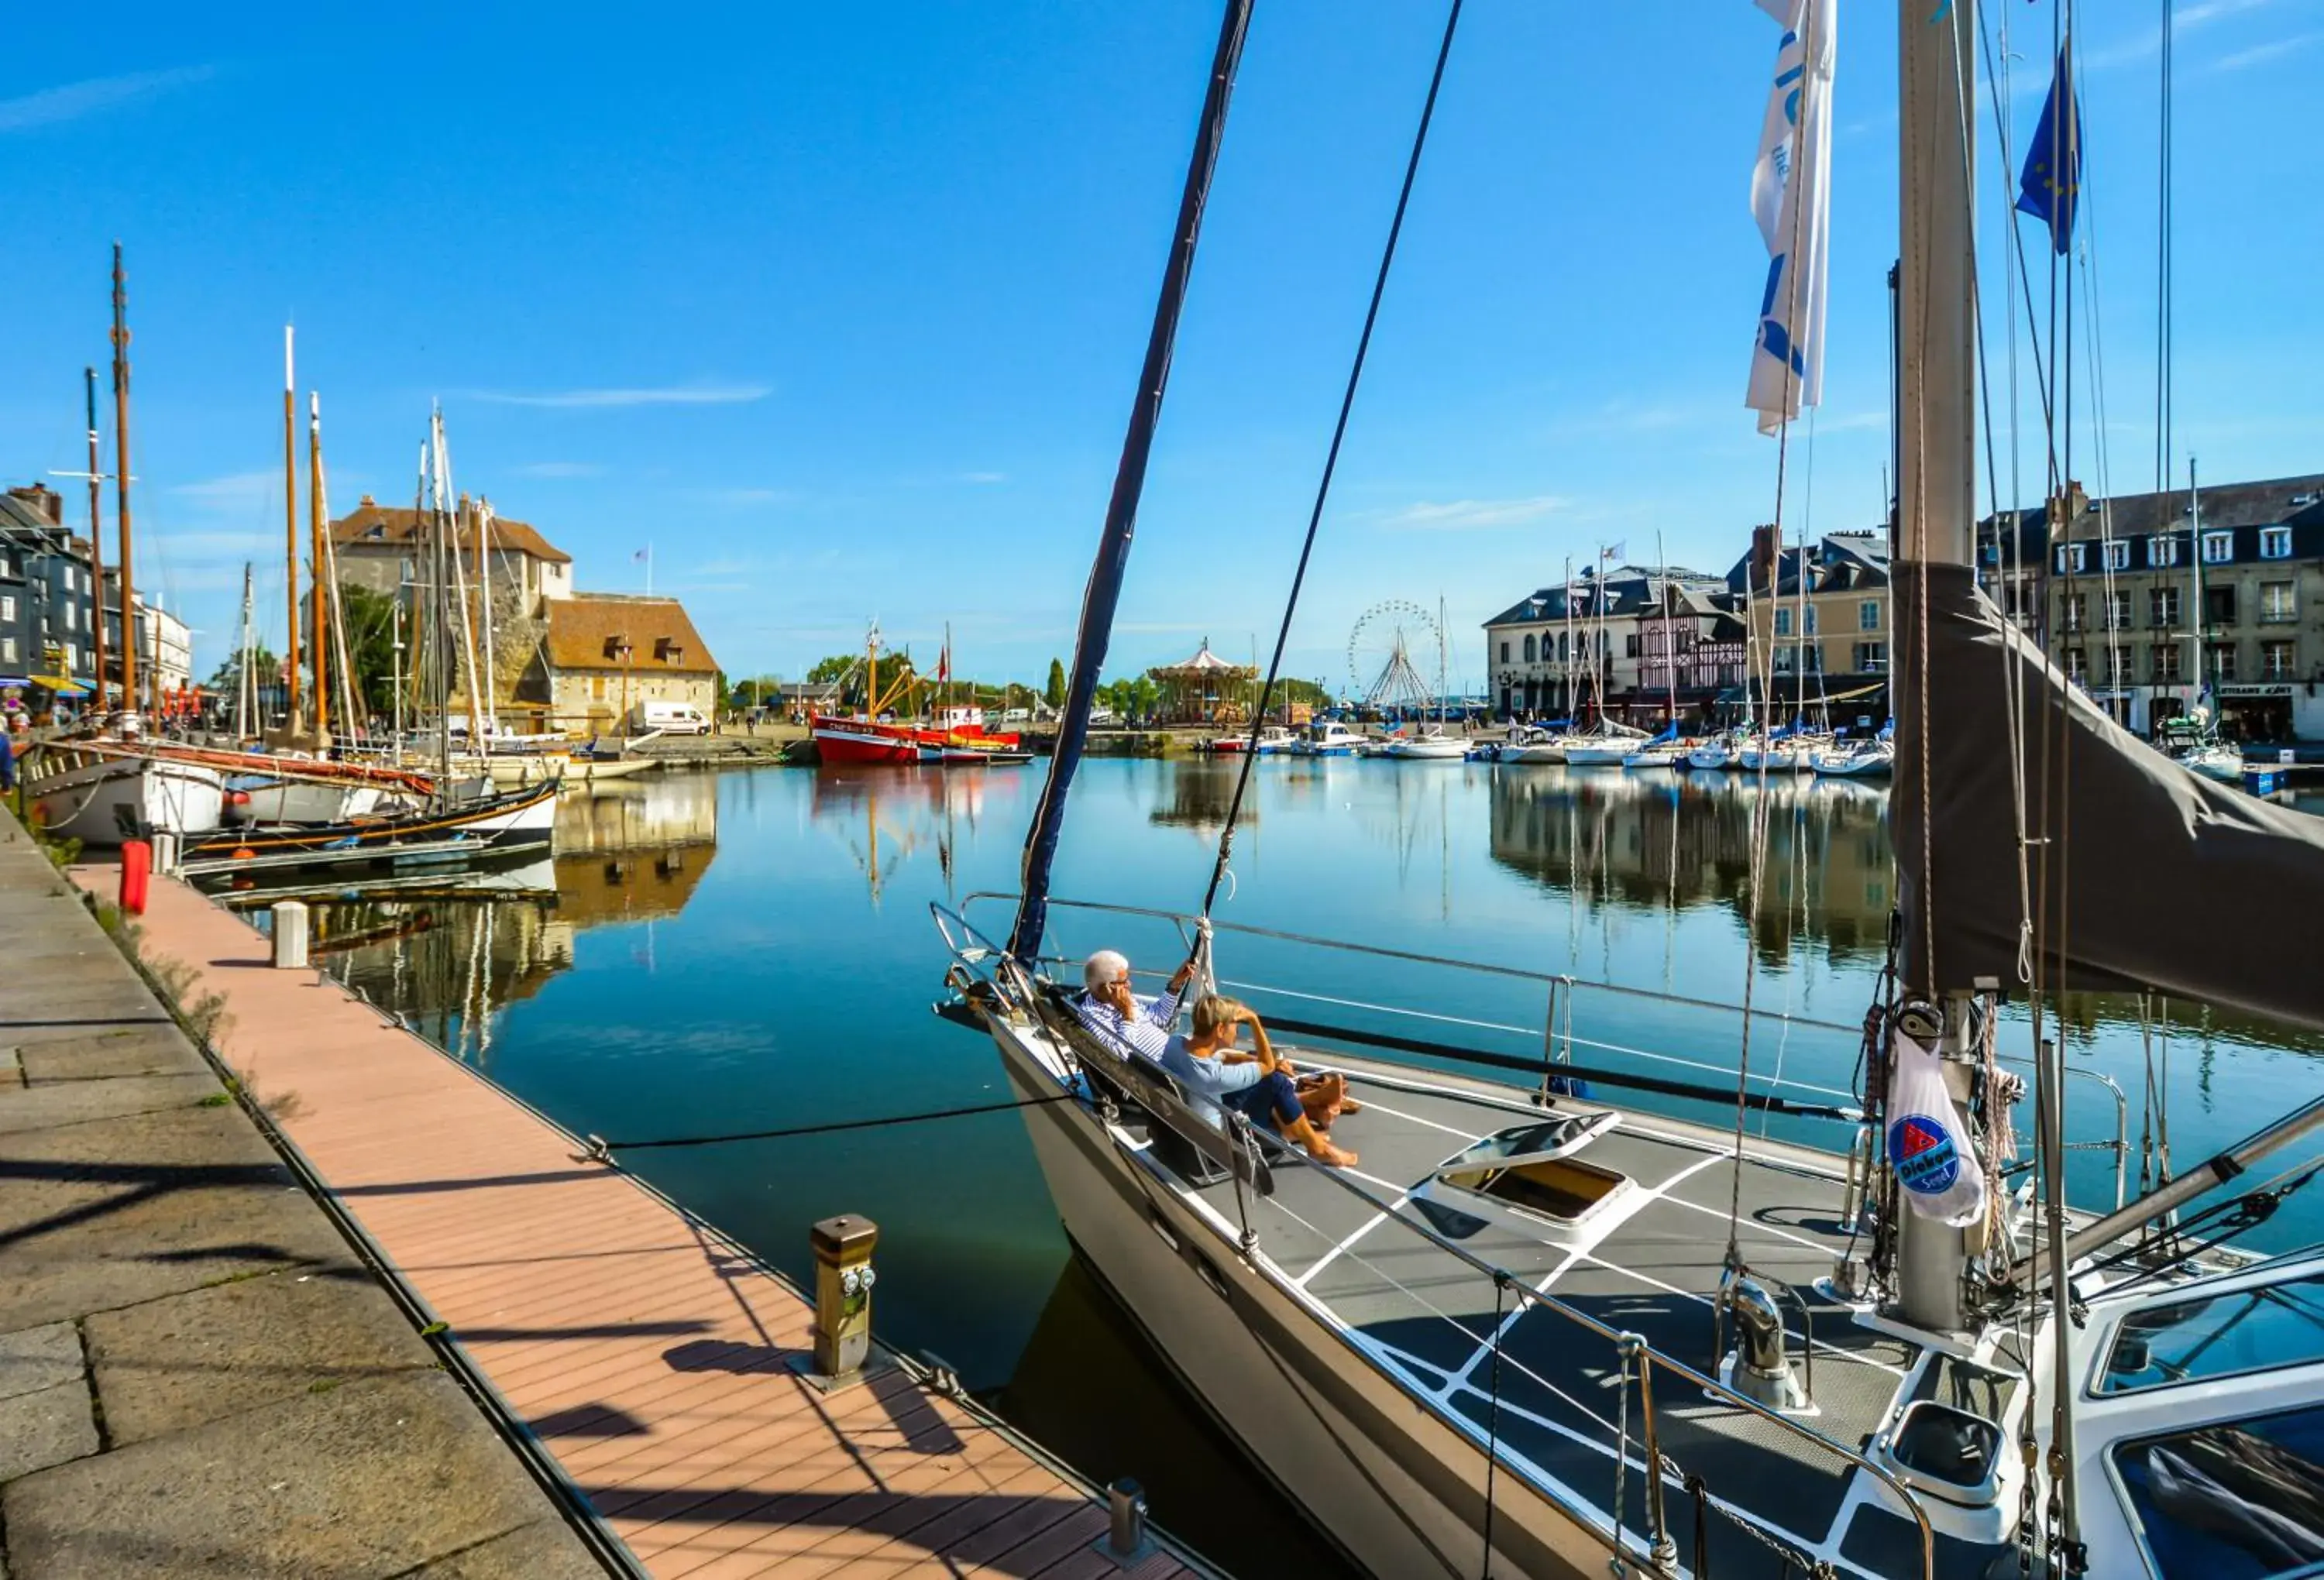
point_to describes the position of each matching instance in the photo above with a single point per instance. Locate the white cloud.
(1465, 515)
(599, 399)
(561, 469)
(235, 488)
(984, 477)
(2260, 54)
(52, 106)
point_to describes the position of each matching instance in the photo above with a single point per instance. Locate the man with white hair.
(1110, 1009)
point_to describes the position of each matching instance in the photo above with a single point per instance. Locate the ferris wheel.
(1386, 651)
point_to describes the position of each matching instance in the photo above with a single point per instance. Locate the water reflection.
(448, 955)
(1679, 841)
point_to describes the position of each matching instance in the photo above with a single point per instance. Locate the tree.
(824, 671)
(754, 692)
(370, 621)
(228, 676)
(1054, 694)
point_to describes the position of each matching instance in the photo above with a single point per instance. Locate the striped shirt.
(1147, 1031)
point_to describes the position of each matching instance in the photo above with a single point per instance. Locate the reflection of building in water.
(1682, 840)
(447, 959)
(1200, 793)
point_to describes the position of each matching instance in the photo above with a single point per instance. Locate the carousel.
(1205, 689)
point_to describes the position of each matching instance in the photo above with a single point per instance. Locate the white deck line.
(1898, 1373)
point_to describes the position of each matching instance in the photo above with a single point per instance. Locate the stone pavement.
(198, 1375)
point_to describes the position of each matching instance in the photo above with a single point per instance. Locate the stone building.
(383, 548)
(2153, 597)
(46, 597)
(601, 654)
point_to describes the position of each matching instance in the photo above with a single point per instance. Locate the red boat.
(955, 735)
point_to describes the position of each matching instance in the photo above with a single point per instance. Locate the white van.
(668, 719)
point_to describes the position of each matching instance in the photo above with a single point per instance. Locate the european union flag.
(2052, 183)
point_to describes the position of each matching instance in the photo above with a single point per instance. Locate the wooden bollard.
(843, 1297)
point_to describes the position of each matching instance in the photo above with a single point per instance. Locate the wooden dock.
(651, 1358)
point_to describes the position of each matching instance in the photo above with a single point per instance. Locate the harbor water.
(714, 953)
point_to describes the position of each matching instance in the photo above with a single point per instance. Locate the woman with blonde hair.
(1215, 1073)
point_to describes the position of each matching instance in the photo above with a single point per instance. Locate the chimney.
(47, 503)
(1762, 557)
(366, 504)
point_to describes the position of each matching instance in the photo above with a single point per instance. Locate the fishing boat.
(470, 823)
(1872, 757)
(1605, 744)
(1427, 744)
(953, 736)
(1534, 744)
(1329, 737)
(104, 791)
(1543, 1331)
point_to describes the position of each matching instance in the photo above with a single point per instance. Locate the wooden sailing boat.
(1510, 1342)
(103, 791)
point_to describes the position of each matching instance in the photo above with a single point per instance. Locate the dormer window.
(2218, 548)
(666, 650)
(2162, 550)
(376, 532)
(614, 648)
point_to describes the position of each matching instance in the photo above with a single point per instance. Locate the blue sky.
(840, 307)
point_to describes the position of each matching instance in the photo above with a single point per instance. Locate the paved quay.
(650, 1360)
(198, 1374)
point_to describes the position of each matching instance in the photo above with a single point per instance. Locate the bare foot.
(1337, 1157)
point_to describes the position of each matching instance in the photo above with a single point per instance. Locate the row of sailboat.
(319, 791)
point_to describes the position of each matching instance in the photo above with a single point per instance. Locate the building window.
(2069, 611)
(8, 650)
(1786, 659)
(1814, 651)
(2218, 548)
(1782, 622)
(2162, 608)
(2117, 553)
(1867, 615)
(2275, 602)
(72, 616)
(1811, 620)
(2277, 660)
(2118, 664)
(1871, 658)
(2121, 611)
(1560, 646)
(2162, 550)
(2218, 606)
(2167, 662)
(2078, 668)
(2223, 661)
(1630, 645)
(1528, 650)
(7, 606)
(1505, 652)
(2070, 558)
(2275, 542)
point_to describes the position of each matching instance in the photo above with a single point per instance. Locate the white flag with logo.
(1928, 1146)
(1791, 197)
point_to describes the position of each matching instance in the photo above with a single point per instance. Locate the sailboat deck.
(1649, 1264)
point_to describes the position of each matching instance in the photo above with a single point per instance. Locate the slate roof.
(371, 523)
(2270, 503)
(586, 631)
(1626, 589)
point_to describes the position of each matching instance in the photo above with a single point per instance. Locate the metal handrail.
(1527, 1295)
(1557, 984)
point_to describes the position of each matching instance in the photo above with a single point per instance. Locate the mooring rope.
(602, 1151)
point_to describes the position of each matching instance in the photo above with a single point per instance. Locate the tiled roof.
(371, 523)
(588, 631)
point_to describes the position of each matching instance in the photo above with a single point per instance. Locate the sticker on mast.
(1922, 1152)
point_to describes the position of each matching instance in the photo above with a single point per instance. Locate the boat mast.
(1104, 589)
(95, 541)
(1936, 495)
(120, 485)
(2195, 553)
(484, 610)
(245, 683)
(319, 646)
(290, 525)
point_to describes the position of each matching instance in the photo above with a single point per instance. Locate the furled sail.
(2137, 873)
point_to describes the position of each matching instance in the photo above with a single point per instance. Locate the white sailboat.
(1509, 1340)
